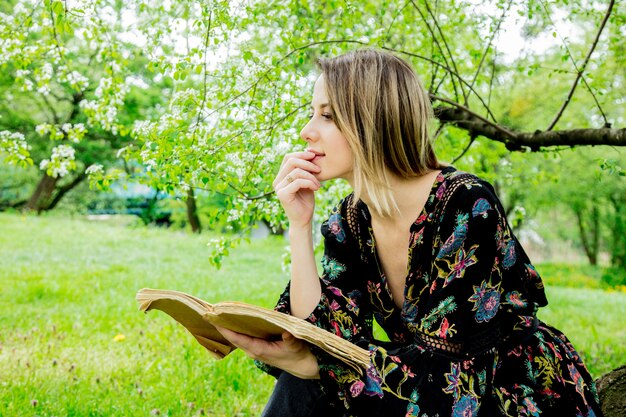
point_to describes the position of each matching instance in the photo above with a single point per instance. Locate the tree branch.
(493, 76)
(436, 42)
(469, 145)
(449, 70)
(445, 43)
(239, 191)
(582, 70)
(205, 72)
(493, 36)
(394, 19)
(56, 36)
(276, 65)
(476, 125)
(470, 113)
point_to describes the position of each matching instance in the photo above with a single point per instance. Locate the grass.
(72, 342)
(67, 290)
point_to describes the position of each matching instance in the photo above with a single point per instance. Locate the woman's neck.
(410, 195)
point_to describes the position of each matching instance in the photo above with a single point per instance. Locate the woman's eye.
(326, 116)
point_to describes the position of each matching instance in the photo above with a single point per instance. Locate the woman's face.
(333, 154)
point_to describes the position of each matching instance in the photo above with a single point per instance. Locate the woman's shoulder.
(457, 183)
(463, 190)
(340, 220)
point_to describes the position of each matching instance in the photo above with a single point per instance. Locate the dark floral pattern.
(466, 340)
(486, 302)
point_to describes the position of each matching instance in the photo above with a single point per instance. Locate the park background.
(139, 139)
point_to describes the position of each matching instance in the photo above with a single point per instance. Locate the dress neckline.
(422, 216)
(439, 179)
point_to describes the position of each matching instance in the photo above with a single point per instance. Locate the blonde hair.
(381, 107)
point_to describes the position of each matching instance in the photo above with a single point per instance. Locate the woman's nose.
(309, 132)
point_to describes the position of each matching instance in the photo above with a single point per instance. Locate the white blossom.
(60, 163)
(76, 80)
(150, 164)
(282, 148)
(45, 74)
(104, 84)
(233, 214)
(44, 89)
(27, 85)
(142, 128)
(14, 145)
(76, 132)
(19, 9)
(63, 151)
(122, 151)
(94, 169)
(42, 129)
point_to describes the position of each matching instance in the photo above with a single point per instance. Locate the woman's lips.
(318, 155)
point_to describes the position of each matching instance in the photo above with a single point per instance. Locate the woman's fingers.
(305, 155)
(289, 354)
(248, 344)
(296, 174)
(257, 348)
(295, 161)
(290, 190)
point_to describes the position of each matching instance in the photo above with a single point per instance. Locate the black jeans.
(295, 397)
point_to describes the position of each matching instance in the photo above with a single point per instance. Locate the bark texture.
(612, 391)
(534, 141)
(192, 212)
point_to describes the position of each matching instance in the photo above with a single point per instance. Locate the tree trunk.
(192, 212)
(44, 198)
(618, 235)
(589, 238)
(65, 189)
(41, 197)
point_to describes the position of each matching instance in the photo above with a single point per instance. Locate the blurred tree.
(234, 79)
(69, 93)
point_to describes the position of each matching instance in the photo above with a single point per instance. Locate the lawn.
(72, 342)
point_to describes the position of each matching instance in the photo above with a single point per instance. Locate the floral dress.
(466, 341)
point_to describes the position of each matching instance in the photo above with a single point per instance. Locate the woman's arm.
(305, 288)
(295, 185)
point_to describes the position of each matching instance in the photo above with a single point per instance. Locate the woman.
(423, 249)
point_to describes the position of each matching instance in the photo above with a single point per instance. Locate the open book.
(198, 317)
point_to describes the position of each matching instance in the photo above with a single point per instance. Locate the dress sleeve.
(340, 308)
(478, 283)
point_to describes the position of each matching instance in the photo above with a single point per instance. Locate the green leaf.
(58, 8)
(67, 28)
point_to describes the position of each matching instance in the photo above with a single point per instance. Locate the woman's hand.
(295, 184)
(289, 354)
